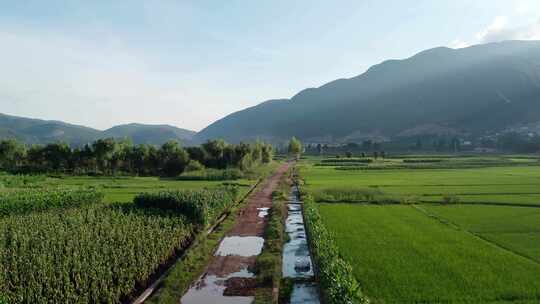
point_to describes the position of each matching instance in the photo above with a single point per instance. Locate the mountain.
(150, 134)
(453, 91)
(37, 131)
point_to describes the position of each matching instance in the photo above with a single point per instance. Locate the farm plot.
(516, 229)
(502, 185)
(400, 255)
(115, 189)
(66, 246)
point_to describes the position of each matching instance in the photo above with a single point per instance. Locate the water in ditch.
(297, 263)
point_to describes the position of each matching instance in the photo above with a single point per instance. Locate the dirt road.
(227, 278)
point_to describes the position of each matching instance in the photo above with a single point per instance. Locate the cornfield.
(85, 255)
(200, 206)
(27, 201)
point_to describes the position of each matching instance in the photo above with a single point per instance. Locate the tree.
(267, 153)
(11, 153)
(348, 154)
(103, 151)
(173, 158)
(295, 147)
(57, 156)
(215, 149)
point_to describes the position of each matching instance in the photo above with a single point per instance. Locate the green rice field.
(483, 247)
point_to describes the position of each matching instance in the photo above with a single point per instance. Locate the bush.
(194, 165)
(200, 206)
(347, 160)
(27, 201)
(450, 199)
(20, 180)
(354, 195)
(212, 174)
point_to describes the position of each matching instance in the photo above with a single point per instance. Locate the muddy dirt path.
(227, 278)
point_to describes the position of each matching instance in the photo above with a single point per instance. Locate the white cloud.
(499, 30)
(459, 44)
(503, 32)
(498, 25)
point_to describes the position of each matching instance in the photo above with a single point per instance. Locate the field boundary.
(475, 235)
(150, 290)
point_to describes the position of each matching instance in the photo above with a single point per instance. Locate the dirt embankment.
(227, 278)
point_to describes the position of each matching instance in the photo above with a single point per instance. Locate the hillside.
(149, 134)
(37, 131)
(471, 90)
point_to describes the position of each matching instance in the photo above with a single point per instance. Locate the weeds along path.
(227, 278)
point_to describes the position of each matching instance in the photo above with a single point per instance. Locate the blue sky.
(188, 63)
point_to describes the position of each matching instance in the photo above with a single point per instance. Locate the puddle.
(304, 293)
(297, 263)
(296, 257)
(209, 289)
(263, 212)
(245, 246)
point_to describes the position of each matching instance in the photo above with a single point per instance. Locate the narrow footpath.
(227, 278)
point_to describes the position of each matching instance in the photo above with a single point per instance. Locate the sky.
(189, 63)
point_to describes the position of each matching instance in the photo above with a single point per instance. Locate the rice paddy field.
(408, 243)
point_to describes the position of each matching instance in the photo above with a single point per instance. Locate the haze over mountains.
(473, 90)
(442, 90)
(37, 131)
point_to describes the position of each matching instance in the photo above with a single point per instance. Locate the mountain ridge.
(39, 131)
(476, 89)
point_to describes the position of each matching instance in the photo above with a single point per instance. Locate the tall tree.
(295, 147)
(11, 153)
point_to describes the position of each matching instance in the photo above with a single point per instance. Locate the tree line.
(110, 156)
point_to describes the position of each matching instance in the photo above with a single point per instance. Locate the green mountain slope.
(471, 90)
(37, 131)
(150, 134)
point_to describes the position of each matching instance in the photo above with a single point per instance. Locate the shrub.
(21, 180)
(354, 195)
(27, 201)
(347, 160)
(194, 165)
(212, 174)
(450, 199)
(200, 206)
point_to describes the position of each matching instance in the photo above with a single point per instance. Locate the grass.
(402, 256)
(505, 185)
(482, 248)
(514, 228)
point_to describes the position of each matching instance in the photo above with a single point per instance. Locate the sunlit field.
(429, 235)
